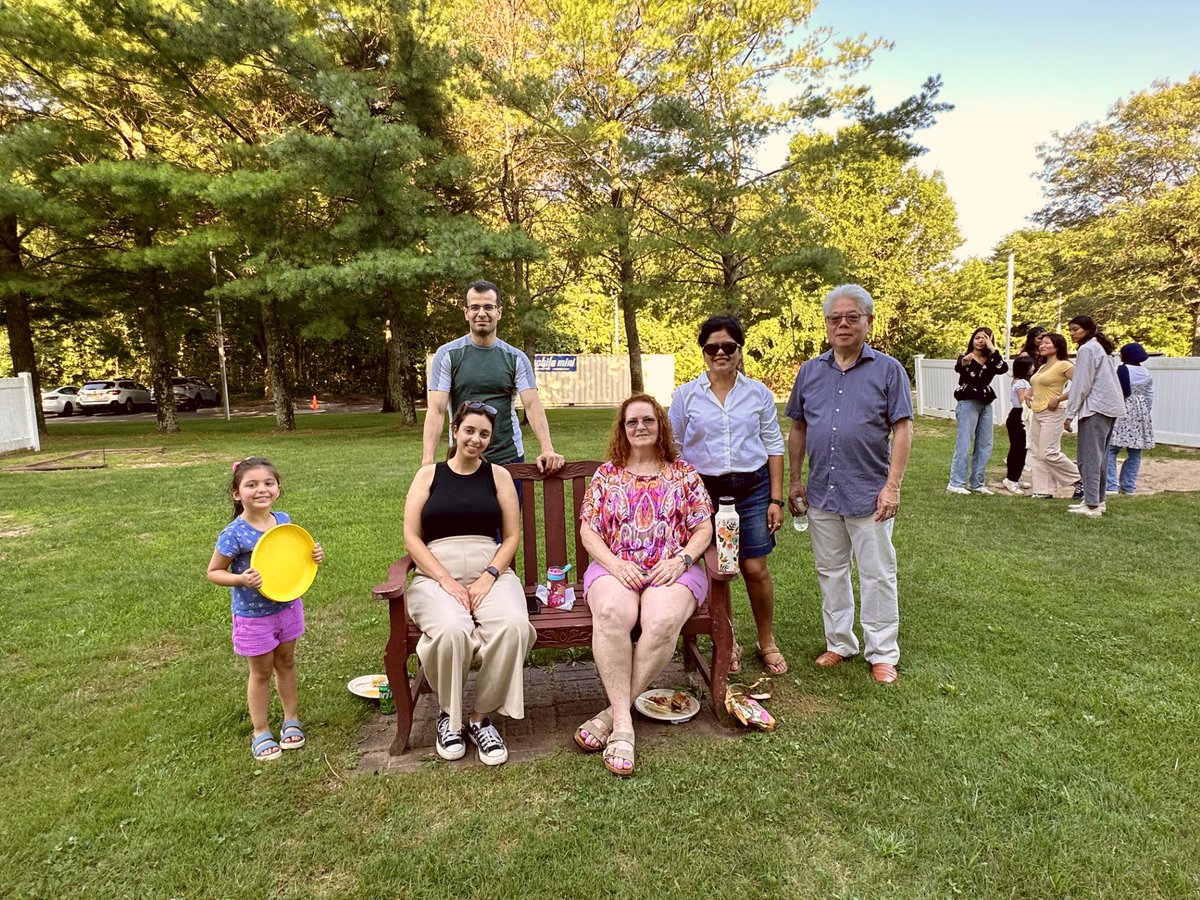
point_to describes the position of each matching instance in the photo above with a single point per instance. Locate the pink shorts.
(256, 635)
(694, 579)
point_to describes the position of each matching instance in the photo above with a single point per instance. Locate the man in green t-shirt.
(480, 366)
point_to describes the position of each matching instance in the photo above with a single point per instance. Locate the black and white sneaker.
(449, 743)
(487, 740)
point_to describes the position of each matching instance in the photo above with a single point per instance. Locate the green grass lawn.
(1040, 743)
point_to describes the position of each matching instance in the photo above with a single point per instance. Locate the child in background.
(1015, 424)
(264, 631)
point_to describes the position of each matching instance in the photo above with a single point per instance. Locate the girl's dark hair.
(713, 324)
(1088, 324)
(618, 443)
(1022, 367)
(470, 408)
(981, 330)
(1031, 341)
(240, 470)
(1060, 346)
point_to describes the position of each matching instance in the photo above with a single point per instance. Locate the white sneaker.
(1013, 487)
(1090, 512)
(983, 489)
(1081, 505)
(954, 489)
(1025, 485)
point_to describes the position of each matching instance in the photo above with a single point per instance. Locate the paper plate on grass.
(666, 705)
(283, 556)
(366, 686)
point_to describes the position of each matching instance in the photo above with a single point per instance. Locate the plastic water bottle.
(728, 536)
(800, 520)
(556, 585)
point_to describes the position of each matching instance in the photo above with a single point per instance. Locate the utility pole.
(1058, 320)
(1008, 310)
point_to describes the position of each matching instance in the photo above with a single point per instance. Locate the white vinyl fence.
(18, 415)
(1176, 410)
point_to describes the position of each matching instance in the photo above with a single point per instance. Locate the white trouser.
(836, 541)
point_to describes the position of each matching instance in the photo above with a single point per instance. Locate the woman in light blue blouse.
(727, 426)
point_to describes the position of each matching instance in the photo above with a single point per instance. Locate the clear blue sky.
(1016, 72)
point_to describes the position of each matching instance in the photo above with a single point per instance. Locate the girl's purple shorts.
(256, 635)
(694, 579)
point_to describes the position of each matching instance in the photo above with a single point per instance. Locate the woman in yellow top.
(1048, 399)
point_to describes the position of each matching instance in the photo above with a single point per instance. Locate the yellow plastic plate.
(283, 556)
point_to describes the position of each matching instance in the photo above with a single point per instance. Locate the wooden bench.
(556, 629)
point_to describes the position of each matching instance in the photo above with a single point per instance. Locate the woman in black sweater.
(976, 368)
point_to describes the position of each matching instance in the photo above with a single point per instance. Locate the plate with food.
(283, 557)
(366, 686)
(667, 705)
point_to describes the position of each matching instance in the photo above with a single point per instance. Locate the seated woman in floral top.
(646, 521)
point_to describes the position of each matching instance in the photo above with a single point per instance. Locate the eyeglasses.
(726, 347)
(481, 307)
(848, 318)
(646, 422)
(478, 406)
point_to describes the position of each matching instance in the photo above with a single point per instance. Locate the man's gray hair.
(855, 292)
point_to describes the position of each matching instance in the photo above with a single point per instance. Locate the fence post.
(917, 361)
(30, 409)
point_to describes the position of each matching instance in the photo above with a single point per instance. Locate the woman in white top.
(727, 426)
(1134, 431)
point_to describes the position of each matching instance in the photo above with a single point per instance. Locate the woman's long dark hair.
(1031, 341)
(971, 340)
(1060, 347)
(1088, 324)
(469, 408)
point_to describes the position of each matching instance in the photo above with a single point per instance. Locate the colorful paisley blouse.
(646, 518)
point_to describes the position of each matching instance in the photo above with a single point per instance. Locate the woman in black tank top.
(464, 597)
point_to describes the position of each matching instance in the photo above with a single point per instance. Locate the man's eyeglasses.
(481, 307)
(848, 318)
(726, 347)
(646, 422)
(479, 406)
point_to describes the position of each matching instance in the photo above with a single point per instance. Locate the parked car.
(63, 401)
(192, 393)
(116, 394)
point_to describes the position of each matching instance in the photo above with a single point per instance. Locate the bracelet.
(777, 502)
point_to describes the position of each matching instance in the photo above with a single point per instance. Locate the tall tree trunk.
(628, 294)
(404, 349)
(281, 392)
(154, 333)
(17, 319)
(1195, 327)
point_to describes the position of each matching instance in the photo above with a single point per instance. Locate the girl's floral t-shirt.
(237, 541)
(646, 518)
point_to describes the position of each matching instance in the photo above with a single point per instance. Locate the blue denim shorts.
(751, 493)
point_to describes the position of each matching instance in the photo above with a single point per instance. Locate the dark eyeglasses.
(726, 347)
(479, 405)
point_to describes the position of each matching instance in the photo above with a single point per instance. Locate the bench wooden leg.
(395, 664)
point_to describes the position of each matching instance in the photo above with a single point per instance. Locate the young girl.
(263, 631)
(1018, 396)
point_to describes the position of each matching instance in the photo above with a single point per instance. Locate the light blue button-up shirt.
(719, 438)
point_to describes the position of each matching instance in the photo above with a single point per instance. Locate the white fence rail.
(1176, 395)
(18, 415)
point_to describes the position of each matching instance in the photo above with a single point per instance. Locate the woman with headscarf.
(1134, 432)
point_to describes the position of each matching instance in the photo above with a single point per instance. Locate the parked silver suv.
(116, 394)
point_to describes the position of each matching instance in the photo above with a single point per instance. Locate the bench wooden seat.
(555, 628)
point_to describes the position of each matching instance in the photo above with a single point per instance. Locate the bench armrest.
(397, 580)
(710, 563)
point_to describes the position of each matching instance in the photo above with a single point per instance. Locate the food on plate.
(667, 704)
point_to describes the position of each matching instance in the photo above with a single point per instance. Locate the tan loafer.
(829, 659)
(884, 673)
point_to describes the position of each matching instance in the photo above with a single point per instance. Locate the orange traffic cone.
(314, 402)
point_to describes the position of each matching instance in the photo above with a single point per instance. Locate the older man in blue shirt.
(844, 406)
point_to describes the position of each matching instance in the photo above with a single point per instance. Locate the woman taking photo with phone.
(976, 368)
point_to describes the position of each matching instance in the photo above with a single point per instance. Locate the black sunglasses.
(477, 405)
(726, 347)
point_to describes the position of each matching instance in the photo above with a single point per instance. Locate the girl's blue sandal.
(291, 736)
(265, 747)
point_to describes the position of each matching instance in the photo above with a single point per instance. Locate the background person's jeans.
(974, 426)
(1129, 469)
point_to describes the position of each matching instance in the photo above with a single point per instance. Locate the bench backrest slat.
(552, 534)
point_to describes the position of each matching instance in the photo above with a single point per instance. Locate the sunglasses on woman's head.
(726, 347)
(477, 405)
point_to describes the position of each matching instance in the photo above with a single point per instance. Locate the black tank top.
(461, 504)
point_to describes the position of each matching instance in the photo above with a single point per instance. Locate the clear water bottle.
(800, 520)
(728, 536)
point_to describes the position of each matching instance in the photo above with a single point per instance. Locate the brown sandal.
(599, 727)
(613, 757)
(735, 660)
(780, 666)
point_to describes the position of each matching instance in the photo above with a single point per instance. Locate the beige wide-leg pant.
(1051, 467)
(499, 632)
